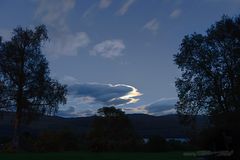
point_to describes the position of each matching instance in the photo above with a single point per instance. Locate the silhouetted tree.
(112, 130)
(210, 79)
(111, 112)
(210, 65)
(25, 83)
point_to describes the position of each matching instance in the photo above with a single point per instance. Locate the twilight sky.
(115, 52)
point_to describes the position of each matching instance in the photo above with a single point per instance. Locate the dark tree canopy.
(111, 112)
(25, 83)
(210, 65)
(112, 130)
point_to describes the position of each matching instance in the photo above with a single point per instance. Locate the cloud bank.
(85, 99)
(104, 94)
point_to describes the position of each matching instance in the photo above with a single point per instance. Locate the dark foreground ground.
(94, 156)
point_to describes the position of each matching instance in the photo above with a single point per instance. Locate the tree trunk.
(19, 104)
(17, 122)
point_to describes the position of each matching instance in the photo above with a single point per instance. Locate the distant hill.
(166, 126)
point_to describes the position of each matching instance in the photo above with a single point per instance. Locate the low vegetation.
(96, 156)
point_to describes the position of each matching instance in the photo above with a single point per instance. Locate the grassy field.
(94, 156)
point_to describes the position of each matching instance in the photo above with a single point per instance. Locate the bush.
(56, 141)
(50, 141)
(156, 144)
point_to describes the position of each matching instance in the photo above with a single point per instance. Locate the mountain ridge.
(167, 126)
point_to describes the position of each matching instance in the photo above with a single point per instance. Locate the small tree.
(112, 130)
(25, 83)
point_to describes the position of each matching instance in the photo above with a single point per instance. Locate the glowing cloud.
(105, 94)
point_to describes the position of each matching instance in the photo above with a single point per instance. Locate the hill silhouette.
(167, 126)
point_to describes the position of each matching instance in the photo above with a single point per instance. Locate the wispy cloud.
(162, 106)
(104, 4)
(93, 9)
(90, 11)
(69, 80)
(86, 113)
(53, 13)
(135, 110)
(176, 13)
(63, 41)
(152, 25)
(123, 10)
(67, 112)
(67, 43)
(109, 48)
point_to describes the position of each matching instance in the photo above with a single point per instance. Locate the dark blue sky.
(115, 52)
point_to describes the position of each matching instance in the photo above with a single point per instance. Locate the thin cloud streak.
(125, 7)
(104, 4)
(152, 25)
(176, 13)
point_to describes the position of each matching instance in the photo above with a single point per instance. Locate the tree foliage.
(25, 83)
(112, 131)
(210, 66)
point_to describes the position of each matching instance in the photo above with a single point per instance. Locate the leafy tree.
(210, 79)
(25, 83)
(111, 112)
(112, 130)
(210, 65)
